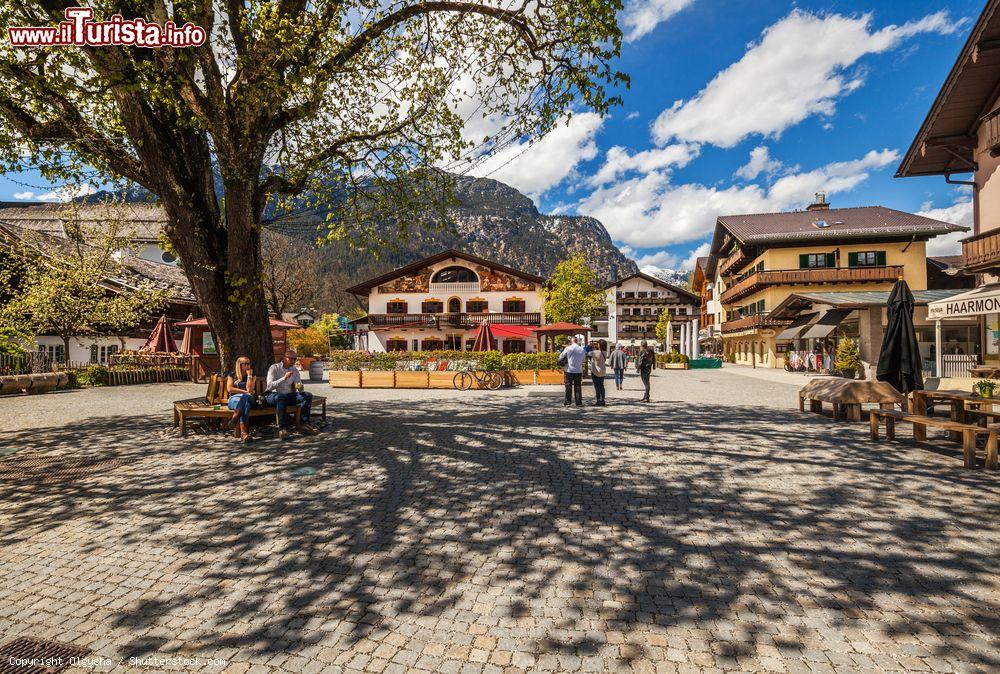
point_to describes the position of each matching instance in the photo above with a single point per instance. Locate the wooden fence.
(150, 375)
(33, 362)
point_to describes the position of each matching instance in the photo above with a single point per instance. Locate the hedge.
(351, 361)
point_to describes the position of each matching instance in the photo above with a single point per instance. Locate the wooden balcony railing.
(752, 323)
(981, 252)
(762, 279)
(734, 262)
(463, 320)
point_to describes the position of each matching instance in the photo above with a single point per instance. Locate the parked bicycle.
(464, 380)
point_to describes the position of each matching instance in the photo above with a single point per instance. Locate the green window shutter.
(852, 259)
(803, 261)
(880, 258)
(831, 260)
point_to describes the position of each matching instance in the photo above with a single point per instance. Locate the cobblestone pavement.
(717, 529)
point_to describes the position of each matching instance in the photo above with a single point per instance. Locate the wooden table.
(985, 372)
(924, 399)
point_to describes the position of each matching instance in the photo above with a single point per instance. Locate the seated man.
(282, 381)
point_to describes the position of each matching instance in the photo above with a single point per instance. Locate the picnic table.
(847, 396)
(985, 372)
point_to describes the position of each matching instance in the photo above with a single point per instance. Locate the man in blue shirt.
(572, 358)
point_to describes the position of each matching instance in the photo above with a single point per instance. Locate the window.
(871, 258)
(454, 306)
(513, 346)
(629, 296)
(432, 307)
(168, 258)
(55, 352)
(469, 343)
(433, 344)
(817, 260)
(397, 344)
(396, 307)
(455, 275)
(514, 305)
(101, 354)
(642, 295)
(453, 342)
(477, 306)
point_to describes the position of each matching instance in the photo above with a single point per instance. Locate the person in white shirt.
(572, 357)
(283, 380)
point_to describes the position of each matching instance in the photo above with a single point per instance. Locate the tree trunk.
(65, 358)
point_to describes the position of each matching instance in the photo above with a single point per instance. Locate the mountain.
(675, 277)
(489, 219)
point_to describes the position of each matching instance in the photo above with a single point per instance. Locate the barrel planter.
(12, 384)
(549, 377)
(409, 379)
(378, 379)
(522, 377)
(316, 370)
(43, 383)
(441, 379)
(344, 379)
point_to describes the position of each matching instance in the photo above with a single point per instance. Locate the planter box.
(440, 379)
(673, 366)
(523, 377)
(372, 379)
(412, 379)
(344, 379)
(549, 377)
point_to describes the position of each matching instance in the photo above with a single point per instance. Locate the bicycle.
(487, 379)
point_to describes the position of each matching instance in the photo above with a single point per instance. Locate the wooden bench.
(847, 396)
(218, 396)
(968, 432)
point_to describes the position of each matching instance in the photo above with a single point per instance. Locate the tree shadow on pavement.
(759, 531)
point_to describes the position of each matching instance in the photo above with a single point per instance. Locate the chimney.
(820, 204)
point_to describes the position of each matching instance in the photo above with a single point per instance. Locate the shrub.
(847, 357)
(94, 375)
(491, 360)
(13, 342)
(309, 342)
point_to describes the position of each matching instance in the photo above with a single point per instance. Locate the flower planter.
(522, 377)
(674, 366)
(549, 377)
(410, 379)
(344, 379)
(378, 379)
(440, 379)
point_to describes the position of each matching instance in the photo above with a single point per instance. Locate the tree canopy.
(661, 329)
(292, 103)
(572, 293)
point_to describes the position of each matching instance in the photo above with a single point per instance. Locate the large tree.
(295, 102)
(573, 292)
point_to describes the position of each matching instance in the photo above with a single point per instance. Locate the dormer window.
(455, 275)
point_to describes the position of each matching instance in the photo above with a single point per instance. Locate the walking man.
(572, 359)
(618, 362)
(283, 384)
(644, 363)
(598, 370)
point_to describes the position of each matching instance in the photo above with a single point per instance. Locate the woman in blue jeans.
(241, 389)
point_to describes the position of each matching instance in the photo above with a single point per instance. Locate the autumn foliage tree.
(292, 103)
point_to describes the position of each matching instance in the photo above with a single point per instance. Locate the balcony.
(458, 321)
(444, 288)
(763, 279)
(651, 301)
(981, 252)
(754, 322)
(735, 262)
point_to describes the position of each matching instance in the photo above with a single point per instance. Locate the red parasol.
(160, 339)
(485, 341)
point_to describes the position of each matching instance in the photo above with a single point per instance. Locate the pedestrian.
(644, 362)
(571, 359)
(598, 359)
(618, 362)
(284, 385)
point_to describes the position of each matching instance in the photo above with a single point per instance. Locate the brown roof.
(365, 286)
(866, 222)
(656, 281)
(965, 97)
(144, 221)
(946, 261)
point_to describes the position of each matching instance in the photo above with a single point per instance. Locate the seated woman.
(241, 395)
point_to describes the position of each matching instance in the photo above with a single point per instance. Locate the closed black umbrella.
(899, 361)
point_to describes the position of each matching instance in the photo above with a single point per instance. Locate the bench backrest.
(218, 390)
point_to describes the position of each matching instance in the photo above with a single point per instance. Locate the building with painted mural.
(440, 302)
(841, 260)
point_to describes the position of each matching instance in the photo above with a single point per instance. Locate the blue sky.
(741, 106)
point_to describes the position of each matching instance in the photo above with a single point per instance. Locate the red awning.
(515, 331)
(203, 323)
(563, 327)
(160, 340)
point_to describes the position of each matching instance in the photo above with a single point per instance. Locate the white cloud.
(661, 259)
(65, 193)
(799, 68)
(640, 17)
(632, 115)
(536, 167)
(649, 211)
(24, 196)
(760, 162)
(959, 213)
(618, 161)
(692, 259)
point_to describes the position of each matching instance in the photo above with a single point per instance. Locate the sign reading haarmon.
(80, 30)
(975, 303)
